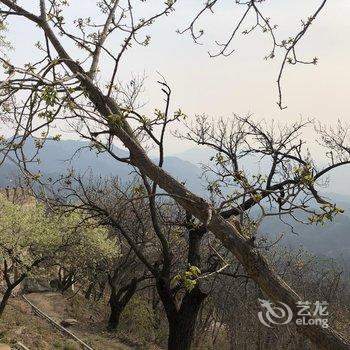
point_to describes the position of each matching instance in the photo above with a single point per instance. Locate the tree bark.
(118, 301)
(67, 283)
(8, 292)
(116, 311)
(181, 320)
(182, 324)
(5, 299)
(88, 292)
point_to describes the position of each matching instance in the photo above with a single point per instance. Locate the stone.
(68, 322)
(20, 330)
(31, 285)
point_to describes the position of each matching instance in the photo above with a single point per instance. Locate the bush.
(69, 346)
(138, 319)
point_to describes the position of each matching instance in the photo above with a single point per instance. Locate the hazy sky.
(244, 82)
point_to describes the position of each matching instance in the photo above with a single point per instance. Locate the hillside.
(20, 323)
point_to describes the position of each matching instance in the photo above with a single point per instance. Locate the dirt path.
(59, 308)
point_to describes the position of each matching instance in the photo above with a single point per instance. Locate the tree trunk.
(116, 311)
(182, 320)
(181, 334)
(5, 299)
(239, 245)
(8, 292)
(88, 292)
(66, 285)
(118, 301)
(182, 324)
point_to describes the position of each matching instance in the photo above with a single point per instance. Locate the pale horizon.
(243, 83)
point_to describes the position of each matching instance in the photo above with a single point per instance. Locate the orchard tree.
(64, 86)
(124, 276)
(26, 241)
(90, 247)
(33, 241)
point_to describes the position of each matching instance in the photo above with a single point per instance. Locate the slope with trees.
(66, 89)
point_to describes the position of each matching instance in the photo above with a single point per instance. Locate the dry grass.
(19, 323)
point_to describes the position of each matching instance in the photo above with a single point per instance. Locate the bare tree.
(282, 178)
(125, 276)
(254, 18)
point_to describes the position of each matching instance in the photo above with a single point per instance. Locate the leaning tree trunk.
(237, 243)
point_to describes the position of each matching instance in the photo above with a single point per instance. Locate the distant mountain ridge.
(331, 239)
(56, 158)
